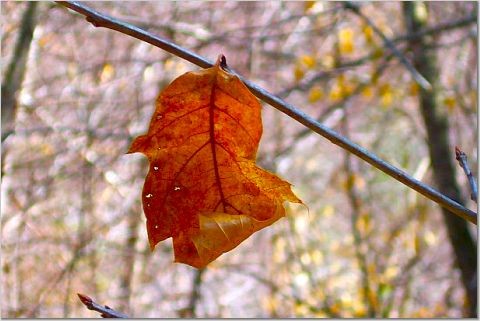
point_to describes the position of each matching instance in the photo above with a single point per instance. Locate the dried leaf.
(203, 188)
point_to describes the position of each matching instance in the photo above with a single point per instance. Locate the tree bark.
(16, 69)
(129, 262)
(441, 153)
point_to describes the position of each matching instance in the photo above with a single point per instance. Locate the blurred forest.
(75, 96)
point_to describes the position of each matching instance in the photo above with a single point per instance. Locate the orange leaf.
(203, 188)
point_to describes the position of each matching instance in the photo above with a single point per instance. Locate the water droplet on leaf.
(155, 168)
(176, 188)
(149, 195)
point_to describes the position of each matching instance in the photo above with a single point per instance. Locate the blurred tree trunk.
(191, 310)
(16, 69)
(129, 262)
(441, 152)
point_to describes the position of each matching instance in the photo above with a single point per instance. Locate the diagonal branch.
(419, 79)
(101, 20)
(106, 312)
(462, 161)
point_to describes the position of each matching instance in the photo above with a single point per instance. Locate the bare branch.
(463, 22)
(106, 312)
(462, 161)
(100, 20)
(419, 79)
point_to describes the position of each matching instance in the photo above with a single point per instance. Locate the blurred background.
(75, 96)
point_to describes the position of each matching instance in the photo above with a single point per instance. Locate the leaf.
(107, 73)
(368, 34)
(345, 38)
(449, 101)
(203, 188)
(315, 94)
(308, 61)
(386, 94)
(298, 72)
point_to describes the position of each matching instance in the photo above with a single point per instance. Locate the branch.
(100, 20)
(419, 79)
(462, 161)
(105, 311)
(462, 22)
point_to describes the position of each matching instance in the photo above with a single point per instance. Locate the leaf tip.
(138, 145)
(152, 246)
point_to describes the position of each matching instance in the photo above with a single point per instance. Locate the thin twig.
(419, 79)
(441, 27)
(106, 312)
(462, 160)
(101, 20)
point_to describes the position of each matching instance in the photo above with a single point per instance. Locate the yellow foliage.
(348, 182)
(308, 61)
(345, 41)
(417, 241)
(335, 94)
(298, 73)
(378, 53)
(439, 308)
(47, 149)
(390, 273)
(373, 298)
(368, 34)
(364, 223)
(367, 92)
(336, 308)
(107, 73)
(384, 88)
(430, 238)
(421, 12)
(328, 61)
(270, 303)
(44, 40)
(386, 99)
(413, 89)
(341, 89)
(315, 94)
(450, 102)
(422, 313)
(300, 309)
(386, 94)
(372, 272)
(359, 310)
(307, 5)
